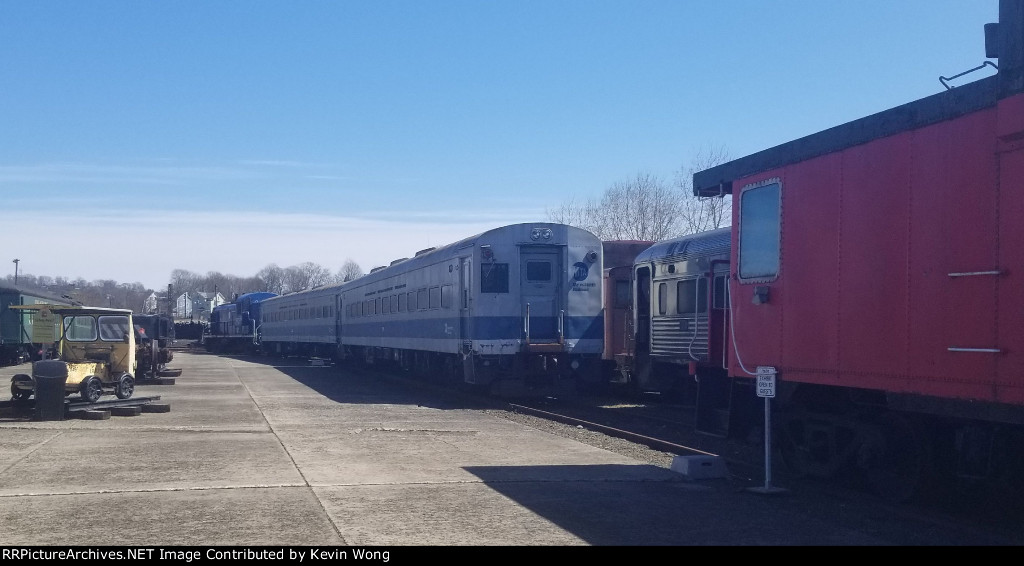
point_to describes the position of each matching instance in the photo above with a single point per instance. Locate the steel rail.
(655, 443)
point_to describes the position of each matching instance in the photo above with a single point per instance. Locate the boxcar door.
(539, 276)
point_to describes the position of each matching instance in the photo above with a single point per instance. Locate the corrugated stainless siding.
(679, 337)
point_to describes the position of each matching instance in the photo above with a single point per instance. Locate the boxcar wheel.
(125, 387)
(91, 389)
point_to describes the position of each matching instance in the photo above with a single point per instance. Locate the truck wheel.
(19, 394)
(125, 387)
(91, 389)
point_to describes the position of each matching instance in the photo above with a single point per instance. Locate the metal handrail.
(526, 323)
(982, 66)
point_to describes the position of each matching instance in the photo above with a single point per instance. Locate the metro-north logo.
(582, 271)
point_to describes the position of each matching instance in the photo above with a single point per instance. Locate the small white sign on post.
(765, 381)
(766, 388)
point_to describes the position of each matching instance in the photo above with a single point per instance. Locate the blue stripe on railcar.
(483, 328)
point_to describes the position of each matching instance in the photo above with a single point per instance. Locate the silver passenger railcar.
(681, 310)
(304, 323)
(515, 308)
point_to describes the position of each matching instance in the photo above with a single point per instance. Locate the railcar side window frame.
(662, 298)
(760, 231)
(689, 298)
(446, 296)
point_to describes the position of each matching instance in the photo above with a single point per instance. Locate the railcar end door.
(539, 283)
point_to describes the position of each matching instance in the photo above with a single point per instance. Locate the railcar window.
(385, 305)
(376, 306)
(662, 298)
(494, 278)
(80, 328)
(401, 302)
(412, 301)
(622, 293)
(446, 296)
(394, 303)
(113, 328)
(435, 297)
(538, 271)
(759, 231)
(421, 299)
(689, 298)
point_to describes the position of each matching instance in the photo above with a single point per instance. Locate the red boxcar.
(877, 268)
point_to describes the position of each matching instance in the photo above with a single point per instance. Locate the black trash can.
(50, 376)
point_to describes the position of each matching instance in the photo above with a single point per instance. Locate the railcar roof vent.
(378, 268)
(400, 260)
(421, 252)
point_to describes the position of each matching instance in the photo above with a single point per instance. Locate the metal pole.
(768, 443)
(16, 272)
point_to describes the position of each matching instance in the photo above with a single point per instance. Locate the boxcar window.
(759, 231)
(80, 328)
(494, 278)
(435, 297)
(421, 299)
(662, 298)
(622, 293)
(446, 296)
(538, 271)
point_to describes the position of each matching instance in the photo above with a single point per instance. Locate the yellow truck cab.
(95, 351)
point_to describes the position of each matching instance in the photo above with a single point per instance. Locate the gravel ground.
(593, 438)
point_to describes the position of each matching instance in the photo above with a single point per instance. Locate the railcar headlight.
(540, 234)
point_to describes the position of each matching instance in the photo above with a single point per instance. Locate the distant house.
(197, 306)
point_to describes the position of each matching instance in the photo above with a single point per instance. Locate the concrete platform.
(258, 453)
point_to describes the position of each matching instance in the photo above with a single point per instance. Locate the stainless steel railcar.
(680, 310)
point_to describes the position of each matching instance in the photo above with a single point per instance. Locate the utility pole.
(16, 272)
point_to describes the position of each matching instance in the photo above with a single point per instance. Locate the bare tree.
(640, 208)
(586, 215)
(349, 270)
(272, 277)
(306, 276)
(699, 214)
(184, 280)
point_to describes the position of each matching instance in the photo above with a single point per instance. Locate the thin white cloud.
(145, 246)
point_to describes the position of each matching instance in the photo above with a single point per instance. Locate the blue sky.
(227, 135)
